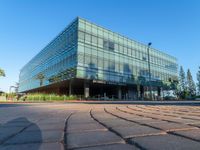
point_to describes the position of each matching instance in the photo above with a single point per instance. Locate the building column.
(119, 93)
(142, 92)
(138, 91)
(161, 93)
(86, 90)
(70, 87)
(104, 96)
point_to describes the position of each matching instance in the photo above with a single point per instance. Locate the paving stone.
(85, 127)
(34, 146)
(93, 138)
(52, 121)
(197, 124)
(75, 120)
(43, 127)
(118, 123)
(112, 147)
(137, 130)
(193, 134)
(170, 126)
(146, 121)
(48, 122)
(166, 142)
(36, 137)
(104, 116)
(17, 124)
(6, 132)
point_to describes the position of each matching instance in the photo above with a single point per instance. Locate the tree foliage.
(191, 87)
(2, 73)
(186, 85)
(198, 81)
(41, 78)
(182, 80)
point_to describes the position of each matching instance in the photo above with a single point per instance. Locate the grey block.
(94, 138)
(166, 142)
(193, 134)
(6, 132)
(36, 137)
(170, 126)
(118, 123)
(34, 146)
(43, 127)
(83, 127)
(112, 147)
(137, 130)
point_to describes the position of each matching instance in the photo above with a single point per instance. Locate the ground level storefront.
(102, 90)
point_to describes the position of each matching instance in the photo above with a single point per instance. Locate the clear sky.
(26, 26)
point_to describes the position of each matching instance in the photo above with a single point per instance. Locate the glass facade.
(106, 55)
(89, 52)
(55, 63)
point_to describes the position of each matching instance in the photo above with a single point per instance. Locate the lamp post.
(149, 67)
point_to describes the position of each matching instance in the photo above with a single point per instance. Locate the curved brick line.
(127, 141)
(154, 117)
(168, 132)
(65, 131)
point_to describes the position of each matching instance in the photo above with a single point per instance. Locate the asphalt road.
(102, 126)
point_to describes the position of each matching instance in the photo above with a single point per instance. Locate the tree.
(198, 81)
(2, 73)
(191, 87)
(40, 77)
(182, 85)
(182, 80)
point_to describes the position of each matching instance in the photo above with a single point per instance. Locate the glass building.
(89, 60)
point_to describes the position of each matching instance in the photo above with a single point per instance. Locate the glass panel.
(81, 36)
(94, 40)
(87, 38)
(100, 42)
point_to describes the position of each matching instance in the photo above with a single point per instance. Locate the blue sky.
(26, 26)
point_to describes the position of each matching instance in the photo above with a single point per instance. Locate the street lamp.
(149, 67)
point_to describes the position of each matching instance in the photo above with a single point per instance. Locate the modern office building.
(89, 60)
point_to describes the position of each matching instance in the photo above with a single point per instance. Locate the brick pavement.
(68, 126)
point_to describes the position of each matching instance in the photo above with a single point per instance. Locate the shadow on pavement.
(13, 105)
(14, 136)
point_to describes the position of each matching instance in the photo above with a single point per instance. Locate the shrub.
(46, 97)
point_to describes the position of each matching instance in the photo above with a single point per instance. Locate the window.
(105, 44)
(100, 32)
(111, 46)
(100, 42)
(82, 24)
(121, 67)
(106, 65)
(80, 58)
(81, 48)
(87, 59)
(87, 50)
(112, 66)
(87, 38)
(94, 29)
(116, 47)
(129, 51)
(88, 27)
(125, 50)
(94, 40)
(81, 36)
(108, 45)
(121, 50)
(100, 62)
(94, 61)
